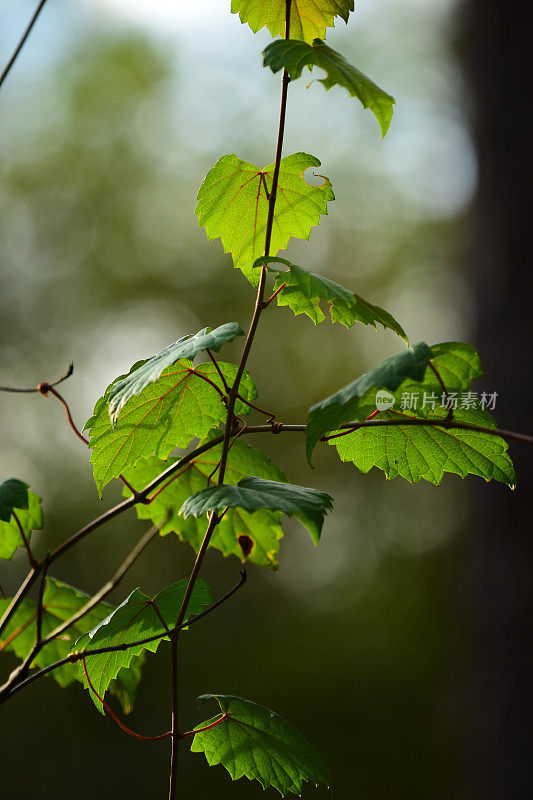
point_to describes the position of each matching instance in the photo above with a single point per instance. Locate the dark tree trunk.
(498, 699)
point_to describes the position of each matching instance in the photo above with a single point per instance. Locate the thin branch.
(40, 604)
(140, 497)
(20, 673)
(22, 41)
(37, 388)
(110, 585)
(72, 658)
(44, 388)
(31, 557)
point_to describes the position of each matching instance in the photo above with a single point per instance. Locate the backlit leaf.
(295, 55)
(16, 499)
(150, 371)
(138, 617)
(169, 413)
(252, 742)
(309, 18)
(262, 528)
(308, 505)
(304, 291)
(426, 453)
(233, 206)
(60, 602)
(414, 391)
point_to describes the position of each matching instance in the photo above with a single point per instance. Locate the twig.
(44, 388)
(31, 557)
(72, 658)
(22, 670)
(140, 497)
(36, 389)
(40, 604)
(22, 42)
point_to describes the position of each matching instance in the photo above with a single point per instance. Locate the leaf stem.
(36, 389)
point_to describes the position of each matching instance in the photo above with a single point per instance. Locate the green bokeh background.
(107, 130)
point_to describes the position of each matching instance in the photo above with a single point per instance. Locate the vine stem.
(22, 42)
(214, 519)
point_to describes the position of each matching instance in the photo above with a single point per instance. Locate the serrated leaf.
(138, 617)
(342, 406)
(60, 602)
(260, 531)
(308, 505)
(16, 499)
(233, 206)
(416, 452)
(169, 413)
(150, 371)
(293, 56)
(309, 18)
(426, 453)
(253, 742)
(304, 290)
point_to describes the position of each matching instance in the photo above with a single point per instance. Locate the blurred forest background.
(390, 644)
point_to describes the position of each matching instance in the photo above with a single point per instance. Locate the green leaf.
(60, 602)
(150, 371)
(309, 18)
(426, 453)
(251, 741)
(293, 56)
(233, 206)
(343, 406)
(138, 617)
(416, 452)
(308, 505)
(304, 290)
(238, 531)
(15, 499)
(170, 413)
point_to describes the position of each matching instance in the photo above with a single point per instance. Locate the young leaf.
(17, 501)
(426, 453)
(60, 602)
(251, 741)
(138, 617)
(262, 529)
(179, 407)
(233, 206)
(343, 406)
(308, 505)
(293, 56)
(303, 291)
(309, 18)
(150, 371)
